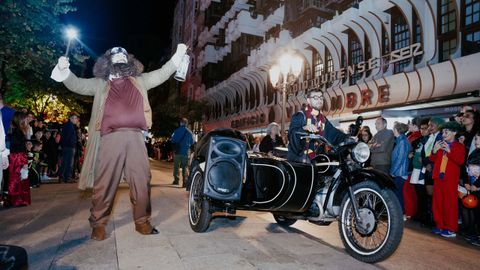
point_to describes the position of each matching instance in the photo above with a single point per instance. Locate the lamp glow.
(297, 63)
(71, 33)
(274, 75)
(289, 66)
(284, 63)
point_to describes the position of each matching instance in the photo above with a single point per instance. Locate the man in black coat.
(68, 143)
(310, 120)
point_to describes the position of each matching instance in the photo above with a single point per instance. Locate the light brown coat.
(98, 88)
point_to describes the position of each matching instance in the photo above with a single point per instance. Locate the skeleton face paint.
(119, 55)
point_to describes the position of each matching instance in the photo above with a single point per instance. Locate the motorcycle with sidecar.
(334, 186)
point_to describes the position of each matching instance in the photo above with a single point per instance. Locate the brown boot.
(145, 229)
(98, 233)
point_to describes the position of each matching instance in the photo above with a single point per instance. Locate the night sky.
(142, 27)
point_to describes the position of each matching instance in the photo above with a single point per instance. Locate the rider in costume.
(311, 120)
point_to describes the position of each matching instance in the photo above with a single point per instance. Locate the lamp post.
(289, 66)
(70, 33)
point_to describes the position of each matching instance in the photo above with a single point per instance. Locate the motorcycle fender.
(382, 179)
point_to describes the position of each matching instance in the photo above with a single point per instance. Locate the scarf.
(316, 118)
(443, 164)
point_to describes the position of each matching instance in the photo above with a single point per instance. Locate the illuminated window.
(307, 71)
(329, 58)
(356, 56)
(329, 61)
(317, 64)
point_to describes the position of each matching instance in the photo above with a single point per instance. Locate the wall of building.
(419, 82)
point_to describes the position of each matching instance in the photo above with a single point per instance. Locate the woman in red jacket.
(448, 156)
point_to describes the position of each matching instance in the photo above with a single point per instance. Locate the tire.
(199, 215)
(284, 221)
(382, 211)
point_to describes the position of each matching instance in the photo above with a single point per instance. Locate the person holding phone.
(448, 155)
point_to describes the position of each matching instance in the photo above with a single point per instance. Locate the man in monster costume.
(120, 113)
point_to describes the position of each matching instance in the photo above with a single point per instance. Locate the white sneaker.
(448, 234)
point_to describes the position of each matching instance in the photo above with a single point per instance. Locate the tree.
(30, 39)
(50, 104)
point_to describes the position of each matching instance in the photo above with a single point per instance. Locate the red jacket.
(456, 158)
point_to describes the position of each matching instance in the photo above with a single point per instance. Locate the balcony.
(301, 15)
(267, 7)
(215, 12)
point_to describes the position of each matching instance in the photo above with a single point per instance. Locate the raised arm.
(155, 78)
(87, 87)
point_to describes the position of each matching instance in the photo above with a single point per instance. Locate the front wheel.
(380, 231)
(198, 206)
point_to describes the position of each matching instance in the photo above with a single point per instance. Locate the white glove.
(63, 63)
(177, 57)
(61, 71)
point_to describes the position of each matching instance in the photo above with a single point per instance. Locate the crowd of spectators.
(37, 152)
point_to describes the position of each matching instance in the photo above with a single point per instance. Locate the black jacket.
(69, 135)
(296, 146)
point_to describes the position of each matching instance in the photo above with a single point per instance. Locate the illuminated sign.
(352, 99)
(372, 63)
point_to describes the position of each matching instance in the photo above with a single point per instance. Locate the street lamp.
(70, 33)
(290, 67)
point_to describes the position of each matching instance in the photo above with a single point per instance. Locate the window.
(472, 12)
(448, 16)
(344, 64)
(317, 64)
(356, 56)
(329, 58)
(329, 61)
(447, 37)
(385, 49)
(401, 38)
(307, 72)
(471, 26)
(368, 54)
(417, 35)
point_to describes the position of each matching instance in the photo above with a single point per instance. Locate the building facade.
(397, 58)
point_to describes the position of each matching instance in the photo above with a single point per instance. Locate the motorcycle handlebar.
(304, 135)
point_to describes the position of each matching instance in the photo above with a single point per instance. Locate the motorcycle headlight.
(361, 152)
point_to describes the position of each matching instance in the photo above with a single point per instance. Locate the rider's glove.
(311, 128)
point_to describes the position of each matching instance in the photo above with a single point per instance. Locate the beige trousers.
(122, 150)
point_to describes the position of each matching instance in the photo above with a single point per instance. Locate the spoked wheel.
(380, 230)
(284, 221)
(198, 206)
